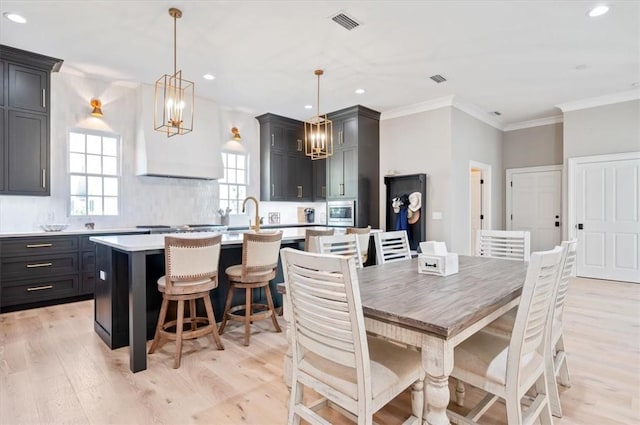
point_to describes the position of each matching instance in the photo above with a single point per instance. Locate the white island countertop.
(133, 243)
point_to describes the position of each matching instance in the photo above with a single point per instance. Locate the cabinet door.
(349, 133)
(27, 88)
(299, 181)
(319, 180)
(27, 154)
(335, 170)
(350, 167)
(2, 86)
(3, 171)
(278, 175)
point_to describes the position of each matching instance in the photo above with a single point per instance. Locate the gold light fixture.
(174, 96)
(318, 132)
(97, 108)
(236, 134)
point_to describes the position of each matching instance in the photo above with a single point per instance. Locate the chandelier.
(174, 96)
(318, 132)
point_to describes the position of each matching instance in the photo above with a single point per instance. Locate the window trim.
(246, 177)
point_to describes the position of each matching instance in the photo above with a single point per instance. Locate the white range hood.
(195, 155)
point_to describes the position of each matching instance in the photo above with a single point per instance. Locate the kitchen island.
(127, 301)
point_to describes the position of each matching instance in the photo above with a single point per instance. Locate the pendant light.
(318, 132)
(174, 96)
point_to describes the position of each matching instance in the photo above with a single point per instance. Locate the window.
(93, 173)
(233, 187)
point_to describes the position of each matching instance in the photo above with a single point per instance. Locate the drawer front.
(15, 247)
(86, 244)
(88, 261)
(36, 266)
(21, 292)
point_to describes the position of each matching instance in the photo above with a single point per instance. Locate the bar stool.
(191, 273)
(311, 239)
(363, 239)
(260, 252)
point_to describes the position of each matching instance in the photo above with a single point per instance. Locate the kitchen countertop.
(133, 243)
(72, 232)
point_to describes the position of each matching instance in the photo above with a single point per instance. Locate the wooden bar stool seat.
(260, 252)
(192, 272)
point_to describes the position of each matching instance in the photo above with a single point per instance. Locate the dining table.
(433, 313)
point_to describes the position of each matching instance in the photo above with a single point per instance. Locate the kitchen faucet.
(256, 227)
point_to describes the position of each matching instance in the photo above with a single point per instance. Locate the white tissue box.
(441, 265)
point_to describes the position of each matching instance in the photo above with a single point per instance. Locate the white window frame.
(117, 175)
(224, 201)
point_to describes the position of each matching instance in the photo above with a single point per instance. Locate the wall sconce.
(97, 108)
(236, 134)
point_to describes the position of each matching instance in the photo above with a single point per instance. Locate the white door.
(535, 200)
(477, 217)
(607, 219)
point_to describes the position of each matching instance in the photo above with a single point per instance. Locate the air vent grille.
(345, 21)
(438, 78)
(497, 113)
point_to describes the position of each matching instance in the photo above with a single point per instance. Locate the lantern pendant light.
(318, 132)
(174, 96)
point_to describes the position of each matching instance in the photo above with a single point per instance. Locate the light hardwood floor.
(54, 369)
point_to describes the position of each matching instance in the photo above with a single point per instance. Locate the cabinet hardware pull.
(299, 145)
(44, 178)
(299, 191)
(341, 188)
(273, 190)
(33, 266)
(44, 97)
(340, 137)
(39, 245)
(273, 140)
(40, 288)
(324, 191)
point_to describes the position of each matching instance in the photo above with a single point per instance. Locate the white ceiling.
(518, 57)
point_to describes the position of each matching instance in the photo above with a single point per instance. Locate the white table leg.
(437, 359)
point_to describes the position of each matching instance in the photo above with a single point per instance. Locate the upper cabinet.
(24, 121)
(353, 171)
(286, 173)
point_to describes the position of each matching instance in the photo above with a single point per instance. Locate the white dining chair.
(391, 246)
(556, 356)
(346, 245)
(509, 368)
(332, 354)
(506, 244)
(363, 234)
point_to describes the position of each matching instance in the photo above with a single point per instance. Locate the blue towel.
(402, 223)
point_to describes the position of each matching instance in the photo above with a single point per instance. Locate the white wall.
(473, 140)
(420, 143)
(144, 200)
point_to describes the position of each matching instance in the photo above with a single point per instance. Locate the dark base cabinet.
(112, 291)
(45, 270)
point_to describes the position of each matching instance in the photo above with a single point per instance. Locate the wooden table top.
(443, 306)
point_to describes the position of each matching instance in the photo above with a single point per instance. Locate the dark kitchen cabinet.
(286, 173)
(353, 171)
(24, 122)
(319, 179)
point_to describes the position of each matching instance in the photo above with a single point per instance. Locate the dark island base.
(112, 293)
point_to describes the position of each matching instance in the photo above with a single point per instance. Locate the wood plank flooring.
(55, 370)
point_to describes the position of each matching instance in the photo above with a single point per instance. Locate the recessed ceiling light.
(308, 106)
(598, 11)
(14, 17)
(360, 91)
(208, 77)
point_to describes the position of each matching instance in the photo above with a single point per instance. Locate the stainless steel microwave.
(341, 213)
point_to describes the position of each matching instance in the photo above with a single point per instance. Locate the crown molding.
(477, 113)
(609, 99)
(534, 123)
(428, 105)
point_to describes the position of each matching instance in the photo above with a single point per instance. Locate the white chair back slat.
(391, 246)
(510, 245)
(531, 319)
(345, 245)
(565, 273)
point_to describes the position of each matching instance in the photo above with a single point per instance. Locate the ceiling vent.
(438, 78)
(345, 21)
(497, 113)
